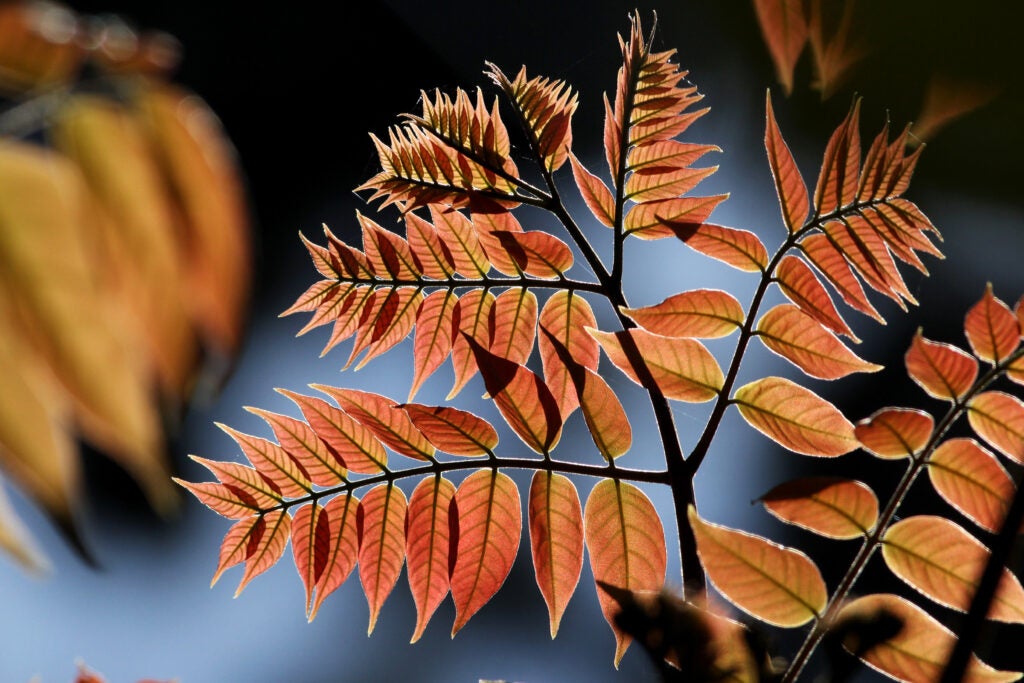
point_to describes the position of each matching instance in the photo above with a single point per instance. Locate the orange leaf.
(840, 168)
(942, 370)
(426, 547)
(702, 313)
(473, 316)
(654, 185)
(238, 543)
(657, 220)
(311, 535)
(491, 220)
(387, 253)
(313, 297)
(432, 256)
(265, 548)
(433, 340)
(799, 283)
(626, 543)
(869, 256)
(458, 234)
(740, 249)
(380, 519)
(795, 417)
(595, 193)
(831, 263)
(536, 252)
(800, 339)
(384, 418)
(784, 28)
(971, 479)
(789, 184)
(833, 58)
(941, 560)
(556, 539)
(226, 501)
(565, 316)
(515, 324)
(452, 430)
(919, 651)
(489, 522)
(341, 550)
(682, 368)
(246, 481)
(665, 156)
(352, 444)
(893, 433)
(273, 462)
(778, 585)
(998, 418)
(830, 506)
(300, 441)
(393, 325)
(991, 328)
(522, 399)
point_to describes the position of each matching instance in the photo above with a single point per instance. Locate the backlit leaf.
(870, 258)
(452, 430)
(393, 327)
(515, 324)
(789, 184)
(840, 168)
(702, 313)
(565, 316)
(355, 446)
(310, 538)
(341, 549)
(300, 441)
(921, 648)
(536, 252)
(489, 521)
(226, 501)
(433, 338)
(941, 560)
(740, 249)
(830, 506)
(972, 480)
(895, 432)
(656, 185)
(458, 234)
(238, 543)
(795, 417)
(273, 462)
(386, 252)
(492, 223)
(942, 370)
(247, 481)
(830, 263)
(682, 368)
(595, 193)
(991, 328)
(381, 522)
(775, 584)
(546, 107)
(667, 155)
(626, 543)
(802, 340)
(426, 547)
(384, 418)
(432, 255)
(784, 28)
(473, 316)
(265, 548)
(998, 418)
(657, 220)
(556, 540)
(801, 286)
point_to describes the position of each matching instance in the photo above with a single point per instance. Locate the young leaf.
(801, 286)
(701, 313)
(972, 480)
(384, 418)
(789, 184)
(893, 433)
(942, 370)
(341, 550)
(830, 506)
(489, 522)
(565, 316)
(840, 169)
(380, 520)
(831, 263)
(991, 328)
(998, 418)
(595, 193)
(452, 430)
(352, 444)
(433, 338)
(802, 340)
(740, 249)
(273, 462)
(265, 548)
(941, 560)
(920, 650)
(426, 547)
(627, 547)
(556, 540)
(795, 417)
(682, 368)
(784, 28)
(778, 585)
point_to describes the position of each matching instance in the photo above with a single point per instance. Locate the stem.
(485, 282)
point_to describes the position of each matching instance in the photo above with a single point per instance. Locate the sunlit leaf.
(895, 432)
(489, 522)
(565, 316)
(433, 338)
(536, 252)
(493, 223)
(556, 539)
(265, 548)
(384, 418)
(457, 233)
(870, 258)
(341, 550)
(998, 418)
(795, 417)
(972, 480)
(784, 28)
(702, 313)
(310, 538)
(355, 446)
(667, 155)
(800, 339)
(941, 560)
(515, 324)
(656, 220)
(834, 55)
(830, 506)
(991, 328)
(452, 430)
(740, 249)
(682, 368)
(789, 184)
(473, 316)
(626, 544)
(840, 168)
(381, 522)
(595, 193)
(942, 370)
(431, 254)
(300, 441)
(273, 462)
(775, 584)
(658, 184)
(225, 500)
(426, 547)
(386, 252)
(801, 286)
(830, 263)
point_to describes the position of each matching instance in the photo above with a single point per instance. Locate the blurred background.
(297, 87)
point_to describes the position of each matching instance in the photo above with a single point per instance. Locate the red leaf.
(245, 480)
(458, 234)
(536, 252)
(789, 184)
(971, 479)
(830, 506)
(595, 193)
(784, 28)
(840, 169)
(702, 313)
(657, 220)
(386, 252)
(341, 549)
(799, 283)
(800, 339)
(565, 316)
(381, 522)
(740, 249)
(666, 156)
(426, 547)
(352, 444)
(265, 548)
(311, 536)
(657, 184)
(473, 316)
(433, 340)
(991, 328)
(301, 442)
(942, 370)
(515, 324)
(384, 418)
(556, 539)
(998, 418)
(272, 462)
(452, 430)
(831, 263)
(432, 255)
(895, 432)
(489, 519)
(226, 501)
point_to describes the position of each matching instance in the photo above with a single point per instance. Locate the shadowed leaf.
(740, 249)
(452, 430)
(702, 313)
(801, 286)
(265, 548)
(310, 538)
(830, 506)
(341, 550)
(246, 480)
(273, 462)
(473, 317)
(565, 316)
(515, 324)
(300, 441)
(831, 263)
(433, 337)
(972, 480)
(384, 418)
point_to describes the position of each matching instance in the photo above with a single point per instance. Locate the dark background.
(297, 86)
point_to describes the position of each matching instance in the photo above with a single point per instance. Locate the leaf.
(830, 506)
(833, 58)
(789, 184)
(522, 399)
(536, 252)
(352, 444)
(920, 650)
(998, 418)
(658, 220)
(273, 462)
(342, 548)
(565, 316)
(492, 222)
(384, 418)
(473, 316)
(238, 543)
(970, 478)
(992, 329)
(431, 254)
(892, 433)
(801, 286)
(300, 442)
(556, 540)
(380, 519)
(784, 28)
(740, 249)
(778, 585)
(626, 543)
(310, 538)
(433, 338)
(938, 558)
(387, 253)
(866, 252)
(840, 169)
(226, 501)
(244, 481)
(489, 522)
(795, 417)
(683, 369)
(458, 234)
(831, 263)
(702, 313)
(452, 430)
(658, 184)
(800, 339)
(515, 324)
(265, 547)
(426, 547)
(942, 370)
